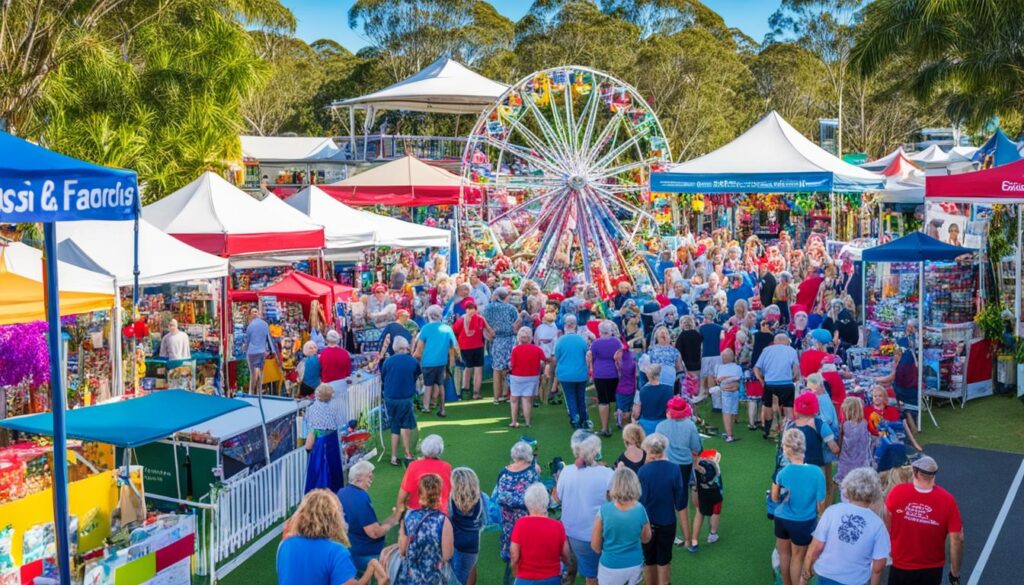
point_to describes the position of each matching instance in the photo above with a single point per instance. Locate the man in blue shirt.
(436, 348)
(257, 345)
(394, 330)
(398, 376)
(778, 369)
(710, 352)
(663, 495)
(739, 289)
(570, 359)
(365, 533)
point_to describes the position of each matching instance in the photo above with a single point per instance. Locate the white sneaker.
(678, 541)
(712, 538)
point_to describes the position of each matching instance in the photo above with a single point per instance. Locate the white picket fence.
(244, 509)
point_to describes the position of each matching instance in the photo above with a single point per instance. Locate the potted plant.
(992, 324)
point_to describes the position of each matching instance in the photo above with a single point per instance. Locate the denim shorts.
(462, 565)
(731, 402)
(400, 414)
(586, 559)
(624, 402)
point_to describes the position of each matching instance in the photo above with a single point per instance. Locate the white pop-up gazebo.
(444, 87)
(348, 230)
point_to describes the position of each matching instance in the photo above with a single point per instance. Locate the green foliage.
(990, 322)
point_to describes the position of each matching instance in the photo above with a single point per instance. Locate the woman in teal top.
(620, 530)
(797, 489)
(309, 370)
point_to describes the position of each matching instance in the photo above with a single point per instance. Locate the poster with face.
(951, 229)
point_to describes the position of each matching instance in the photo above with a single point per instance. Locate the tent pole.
(57, 397)
(352, 132)
(225, 315)
(920, 340)
(1017, 267)
(116, 345)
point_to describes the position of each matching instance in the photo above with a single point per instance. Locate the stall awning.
(1004, 185)
(221, 219)
(135, 422)
(289, 149)
(915, 247)
(406, 182)
(997, 151)
(770, 157)
(21, 287)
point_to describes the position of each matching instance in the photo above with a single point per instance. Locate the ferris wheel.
(563, 160)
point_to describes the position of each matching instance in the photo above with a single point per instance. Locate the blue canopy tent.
(997, 151)
(918, 248)
(42, 186)
(133, 423)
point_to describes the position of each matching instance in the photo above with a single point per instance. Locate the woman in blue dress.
(513, 480)
(426, 540)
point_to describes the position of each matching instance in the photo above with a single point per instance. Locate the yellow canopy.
(21, 287)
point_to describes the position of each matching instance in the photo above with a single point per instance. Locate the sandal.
(514, 425)
(442, 414)
(394, 462)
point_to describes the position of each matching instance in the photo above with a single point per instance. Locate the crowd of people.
(766, 325)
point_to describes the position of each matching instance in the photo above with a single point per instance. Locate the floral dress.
(502, 318)
(422, 563)
(511, 490)
(666, 356)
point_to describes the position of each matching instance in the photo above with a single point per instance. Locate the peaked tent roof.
(21, 286)
(299, 287)
(902, 167)
(289, 148)
(405, 182)
(967, 152)
(445, 86)
(347, 229)
(770, 157)
(933, 155)
(997, 151)
(132, 423)
(107, 247)
(880, 163)
(914, 247)
(217, 217)
(1003, 184)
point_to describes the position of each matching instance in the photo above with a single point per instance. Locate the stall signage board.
(271, 309)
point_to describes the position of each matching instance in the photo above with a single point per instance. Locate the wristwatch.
(954, 579)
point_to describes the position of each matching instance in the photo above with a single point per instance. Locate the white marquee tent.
(348, 230)
(879, 164)
(289, 148)
(770, 157)
(445, 86)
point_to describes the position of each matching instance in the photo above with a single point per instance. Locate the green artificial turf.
(476, 435)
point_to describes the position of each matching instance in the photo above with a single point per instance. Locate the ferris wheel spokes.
(545, 129)
(613, 154)
(522, 153)
(611, 172)
(590, 112)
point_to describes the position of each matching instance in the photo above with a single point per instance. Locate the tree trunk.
(839, 125)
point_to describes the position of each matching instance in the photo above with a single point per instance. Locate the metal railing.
(390, 147)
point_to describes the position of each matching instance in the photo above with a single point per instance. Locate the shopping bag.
(450, 393)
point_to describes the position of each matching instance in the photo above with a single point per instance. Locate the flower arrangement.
(24, 356)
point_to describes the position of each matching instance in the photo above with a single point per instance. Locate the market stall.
(113, 544)
(917, 249)
(287, 162)
(406, 182)
(29, 174)
(181, 283)
(773, 158)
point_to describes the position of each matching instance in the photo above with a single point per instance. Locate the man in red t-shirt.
(920, 517)
(335, 361)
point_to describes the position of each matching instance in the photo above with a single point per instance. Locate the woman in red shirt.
(524, 374)
(469, 331)
(539, 545)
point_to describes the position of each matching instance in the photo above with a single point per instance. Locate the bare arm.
(513, 554)
(381, 529)
(813, 552)
(403, 540)
(403, 496)
(597, 537)
(566, 553)
(877, 566)
(645, 535)
(776, 493)
(310, 440)
(447, 540)
(956, 551)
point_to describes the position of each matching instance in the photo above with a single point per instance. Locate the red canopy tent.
(406, 182)
(1003, 185)
(299, 287)
(217, 217)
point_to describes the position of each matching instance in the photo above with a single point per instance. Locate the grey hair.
(570, 320)
(522, 451)
(785, 275)
(324, 392)
(432, 446)
(360, 471)
(782, 338)
(816, 380)
(688, 323)
(536, 498)
(739, 303)
(501, 293)
(585, 446)
(524, 335)
(653, 370)
(608, 328)
(728, 352)
(793, 441)
(333, 336)
(400, 345)
(862, 485)
(434, 313)
(710, 313)
(625, 486)
(655, 443)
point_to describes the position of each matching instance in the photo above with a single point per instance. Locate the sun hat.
(379, 287)
(806, 404)
(679, 408)
(468, 303)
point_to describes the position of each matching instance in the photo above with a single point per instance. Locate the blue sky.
(329, 18)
